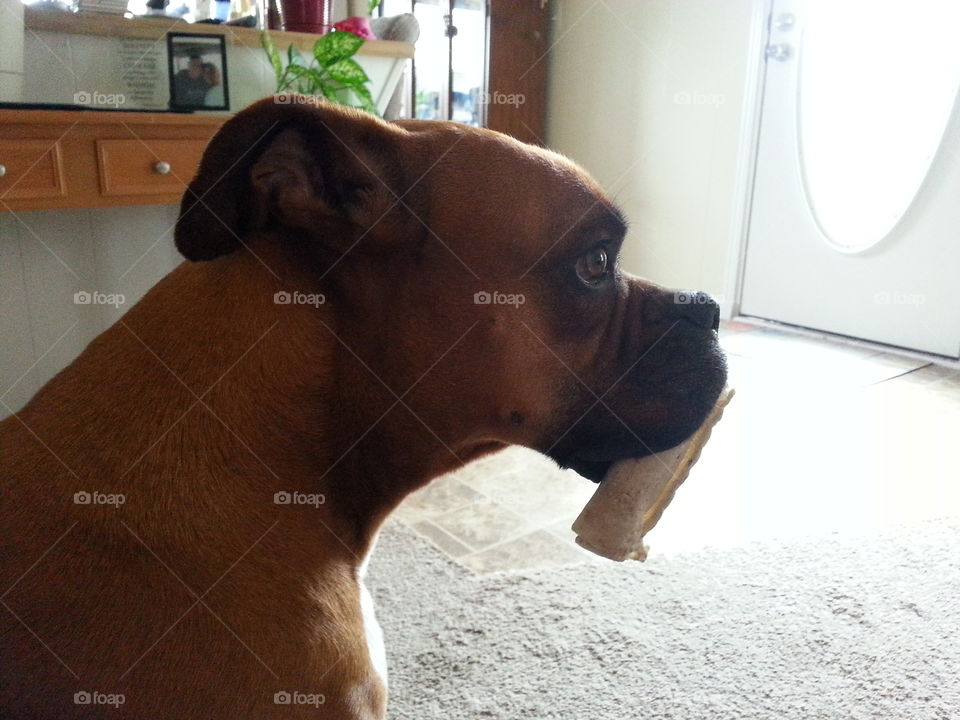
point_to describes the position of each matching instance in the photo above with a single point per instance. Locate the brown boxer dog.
(366, 306)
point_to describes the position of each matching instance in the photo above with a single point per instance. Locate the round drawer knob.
(3, 170)
(161, 168)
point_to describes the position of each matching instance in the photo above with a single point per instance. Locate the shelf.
(59, 21)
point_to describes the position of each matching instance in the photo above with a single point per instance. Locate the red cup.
(309, 16)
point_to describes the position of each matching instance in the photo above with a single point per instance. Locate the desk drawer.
(31, 169)
(147, 167)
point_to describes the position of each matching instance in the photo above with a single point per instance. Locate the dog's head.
(475, 276)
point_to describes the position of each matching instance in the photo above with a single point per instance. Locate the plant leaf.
(348, 72)
(366, 99)
(293, 55)
(267, 42)
(300, 71)
(335, 46)
(293, 78)
(330, 93)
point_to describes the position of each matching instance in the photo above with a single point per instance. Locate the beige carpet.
(839, 629)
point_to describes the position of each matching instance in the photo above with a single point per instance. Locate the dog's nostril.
(696, 307)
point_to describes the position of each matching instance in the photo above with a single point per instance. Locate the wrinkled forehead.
(466, 164)
(483, 187)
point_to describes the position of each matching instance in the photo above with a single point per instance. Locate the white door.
(855, 219)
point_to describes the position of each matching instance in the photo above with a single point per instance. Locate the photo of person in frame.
(197, 72)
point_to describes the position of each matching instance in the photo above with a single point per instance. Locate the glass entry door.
(855, 223)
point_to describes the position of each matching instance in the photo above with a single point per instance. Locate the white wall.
(11, 50)
(647, 95)
(46, 258)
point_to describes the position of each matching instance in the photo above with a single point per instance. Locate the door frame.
(749, 145)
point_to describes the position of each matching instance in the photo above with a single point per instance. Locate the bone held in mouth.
(634, 493)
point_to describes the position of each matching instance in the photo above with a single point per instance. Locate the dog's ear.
(316, 167)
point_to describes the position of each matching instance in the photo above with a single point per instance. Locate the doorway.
(854, 227)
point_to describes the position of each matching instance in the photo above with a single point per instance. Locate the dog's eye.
(592, 267)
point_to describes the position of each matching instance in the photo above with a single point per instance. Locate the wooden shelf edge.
(96, 117)
(40, 20)
(87, 203)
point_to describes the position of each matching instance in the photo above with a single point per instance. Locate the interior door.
(855, 218)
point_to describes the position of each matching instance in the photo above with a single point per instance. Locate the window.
(449, 71)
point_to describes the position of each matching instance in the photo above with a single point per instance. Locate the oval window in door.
(878, 81)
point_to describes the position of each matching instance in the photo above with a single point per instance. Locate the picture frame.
(197, 72)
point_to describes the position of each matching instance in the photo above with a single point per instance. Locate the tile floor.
(822, 437)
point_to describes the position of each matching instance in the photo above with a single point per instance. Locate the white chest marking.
(371, 628)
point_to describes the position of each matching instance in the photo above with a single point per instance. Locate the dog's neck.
(246, 403)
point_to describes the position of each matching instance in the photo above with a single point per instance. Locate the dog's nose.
(695, 307)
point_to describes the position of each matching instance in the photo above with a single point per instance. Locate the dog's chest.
(371, 628)
(373, 633)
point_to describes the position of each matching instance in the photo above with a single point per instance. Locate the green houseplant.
(331, 72)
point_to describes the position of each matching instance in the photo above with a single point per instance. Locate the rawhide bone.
(634, 493)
